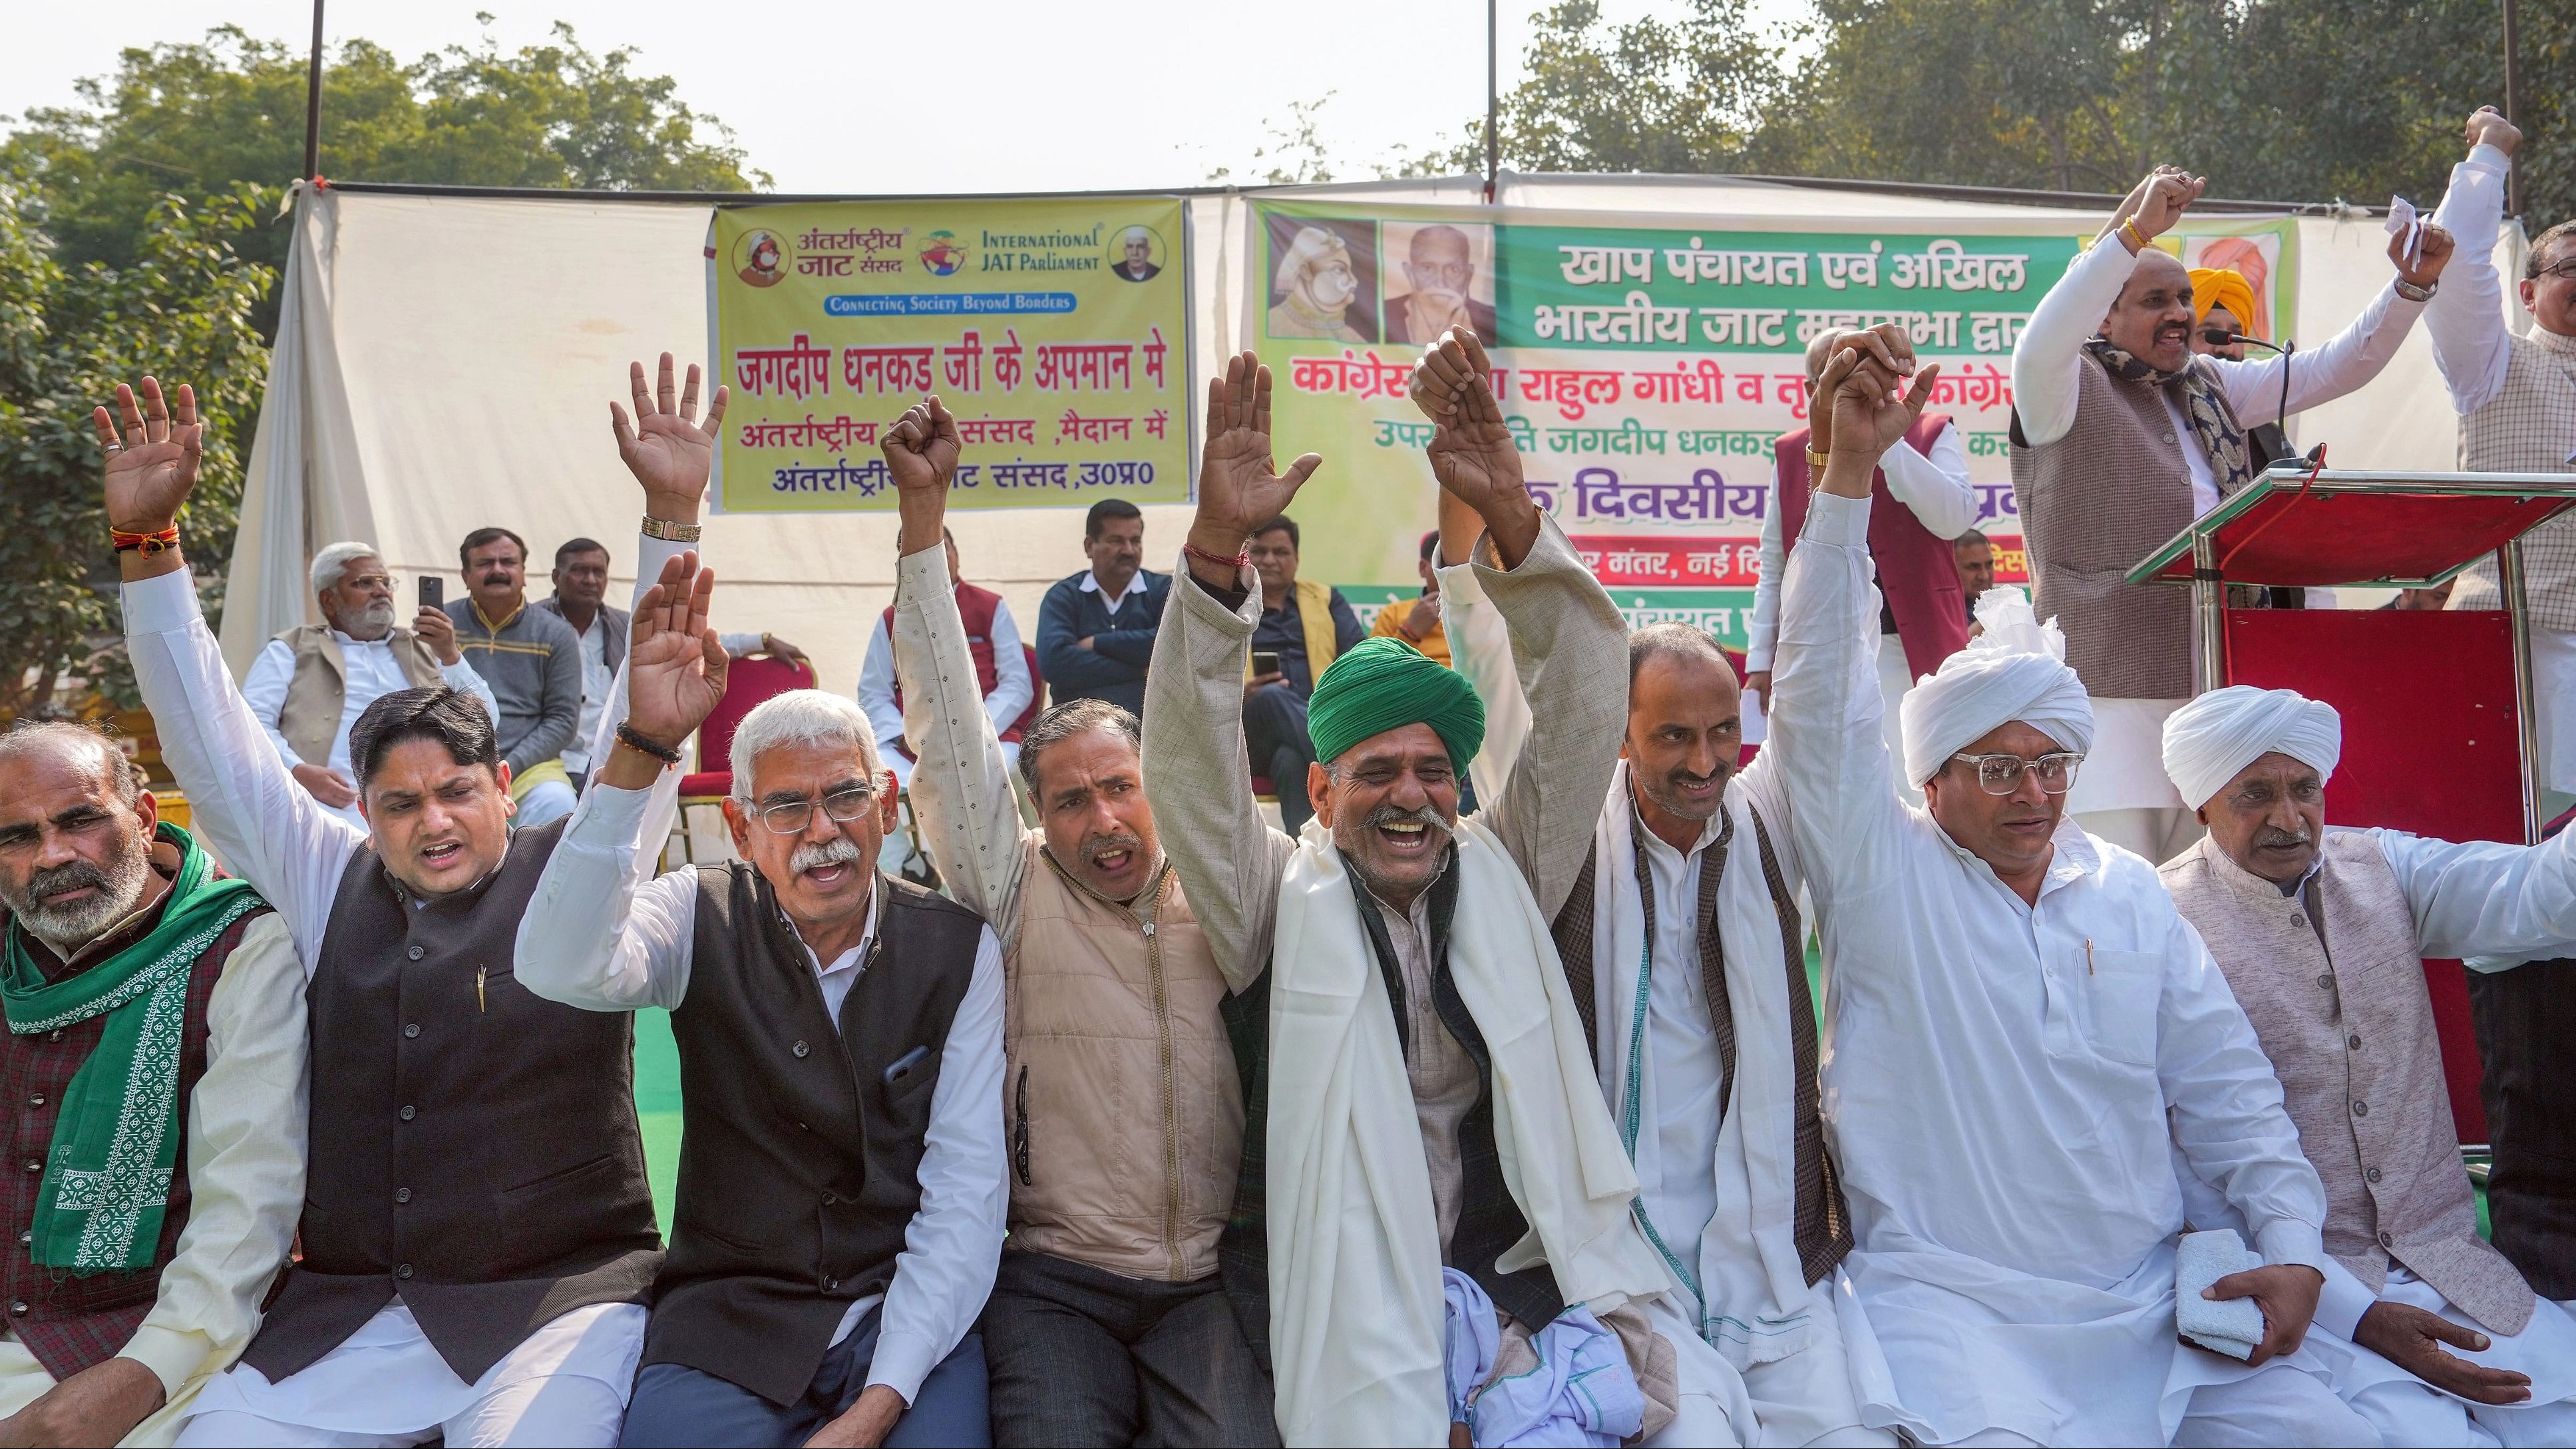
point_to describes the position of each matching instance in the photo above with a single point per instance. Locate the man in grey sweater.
(532, 660)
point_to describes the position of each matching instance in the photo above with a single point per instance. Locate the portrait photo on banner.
(1438, 275)
(1323, 278)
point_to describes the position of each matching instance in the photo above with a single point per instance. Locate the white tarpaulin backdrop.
(445, 363)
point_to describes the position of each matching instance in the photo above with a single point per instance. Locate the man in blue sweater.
(1096, 629)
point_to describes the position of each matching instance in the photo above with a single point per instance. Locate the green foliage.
(181, 310)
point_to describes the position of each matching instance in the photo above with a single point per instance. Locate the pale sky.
(942, 96)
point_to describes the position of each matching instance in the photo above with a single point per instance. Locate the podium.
(2438, 732)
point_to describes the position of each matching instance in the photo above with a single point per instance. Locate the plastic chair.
(749, 684)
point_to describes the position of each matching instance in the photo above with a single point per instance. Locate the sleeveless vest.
(801, 1139)
(1917, 574)
(317, 693)
(474, 1148)
(976, 607)
(2529, 426)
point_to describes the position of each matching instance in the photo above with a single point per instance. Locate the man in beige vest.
(2436, 1338)
(2516, 396)
(2120, 437)
(310, 684)
(1109, 1323)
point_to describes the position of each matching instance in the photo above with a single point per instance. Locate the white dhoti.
(2406, 1411)
(2122, 794)
(564, 1385)
(23, 1381)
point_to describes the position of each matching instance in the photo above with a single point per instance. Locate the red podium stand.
(2437, 722)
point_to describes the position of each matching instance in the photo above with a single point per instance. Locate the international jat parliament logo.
(942, 254)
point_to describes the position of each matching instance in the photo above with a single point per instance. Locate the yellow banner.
(1056, 331)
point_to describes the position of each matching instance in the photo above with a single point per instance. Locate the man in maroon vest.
(1002, 674)
(1921, 619)
(126, 1288)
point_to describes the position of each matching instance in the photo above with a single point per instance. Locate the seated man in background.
(477, 1233)
(1002, 682)
(2323, 937)
(1418, 623)
(580, 600)
(1303, 625)
(153, 1002)
(1096, 629)
(310, 684)
(2027, 1038)
(533, 663)
(1974, 553)
(840, 1203)
(1109, 1323)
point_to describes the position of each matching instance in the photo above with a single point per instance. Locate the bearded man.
(1109, 1323)
(154, 1074)
(2120, 437)
(1417, 1094)
(2027, 1038)
(840, 1034)
(2323, 937)
(477, 1231)
(309, 684)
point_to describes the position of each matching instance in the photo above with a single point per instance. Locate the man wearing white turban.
(1313, 288)
(2434, 1337)
(2026, 1037)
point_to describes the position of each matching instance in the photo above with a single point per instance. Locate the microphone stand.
(2280, 425)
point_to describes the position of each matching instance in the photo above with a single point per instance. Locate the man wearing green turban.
(1417, 1090)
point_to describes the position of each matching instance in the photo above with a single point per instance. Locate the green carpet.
(657, 1106)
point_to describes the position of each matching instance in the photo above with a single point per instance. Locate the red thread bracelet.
(1238, 563)
(146, 544)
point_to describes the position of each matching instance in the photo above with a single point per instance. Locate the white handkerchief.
(2232, 1326)
(2402, 217)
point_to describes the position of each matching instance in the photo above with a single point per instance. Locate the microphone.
(2273, 438)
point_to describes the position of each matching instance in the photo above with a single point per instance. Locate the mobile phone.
(904, 1065)
(1264, 661)
(433, 591)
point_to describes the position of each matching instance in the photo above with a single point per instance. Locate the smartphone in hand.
(433, 592)
(1264, 661)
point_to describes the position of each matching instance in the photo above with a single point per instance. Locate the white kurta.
(2007, 1083)
(372, 673)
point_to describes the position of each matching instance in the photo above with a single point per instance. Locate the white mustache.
(813, 855)
(1390, 815)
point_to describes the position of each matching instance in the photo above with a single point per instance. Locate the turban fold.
(2015, 670)
(1382, 684)
(1311, 245)
(2208, 740)
(2223, 287)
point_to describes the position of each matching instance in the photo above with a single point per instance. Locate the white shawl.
(1757, 1306)
(1355, 1289)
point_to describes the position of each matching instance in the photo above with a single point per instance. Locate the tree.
(181, 310)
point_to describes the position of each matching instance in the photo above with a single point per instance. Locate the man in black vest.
(841, 1197)
(478, 1238)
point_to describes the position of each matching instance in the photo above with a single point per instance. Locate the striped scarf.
(2213, 422)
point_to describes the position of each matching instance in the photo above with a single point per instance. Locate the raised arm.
(2351, 358)
(1762, 629)
(263, 824)
(2467, 319)
(2046, 360)
(961, 787)
(1825, 739)
(1567, 640)
(1197, 776)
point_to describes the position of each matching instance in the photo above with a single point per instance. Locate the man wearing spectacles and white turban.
(2026, 1037)
(2435, 1337)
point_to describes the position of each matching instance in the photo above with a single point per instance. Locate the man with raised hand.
(2027, 1037)
(2322, 935)
(840, 1034)
(1417, 1093)
(1109, 1323)
(477, 1234)
(155, 1070)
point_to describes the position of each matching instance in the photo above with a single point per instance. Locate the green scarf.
(116, 1142)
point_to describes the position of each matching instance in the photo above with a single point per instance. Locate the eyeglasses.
(368, 581)
(792, 817)
(2001, 774)
(2562, 270)
(2216, 336)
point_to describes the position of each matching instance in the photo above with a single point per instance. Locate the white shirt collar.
(850, 959)
(1091, 585)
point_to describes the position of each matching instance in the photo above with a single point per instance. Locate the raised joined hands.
(152, 463)
(675, 666)
(1472, 452)
(1862, 410)
(1240, 485)
(666, 447)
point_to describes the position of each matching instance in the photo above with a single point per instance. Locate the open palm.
(666, 447)
(1472, 453)
(152, 464)
(675, 667)
(1239, 485)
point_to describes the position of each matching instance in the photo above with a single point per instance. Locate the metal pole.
(2509, 577)
(1493, 98)
(2513, 100)
(2209, 616)
(313, 100)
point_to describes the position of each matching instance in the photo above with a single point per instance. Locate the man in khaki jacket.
(2437, 1339)
(1108, 1322)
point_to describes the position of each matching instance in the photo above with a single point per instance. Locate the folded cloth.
(1578, 1392)
(1470, 1340)
(2232, 1326)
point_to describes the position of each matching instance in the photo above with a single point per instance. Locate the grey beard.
(370, 623)
(1100, 845)
(67, 928)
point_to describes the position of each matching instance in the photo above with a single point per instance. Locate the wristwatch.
(2413, 293)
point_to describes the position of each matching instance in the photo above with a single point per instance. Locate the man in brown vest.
(840, 1201)
(310, 684)
(477, 1233)
(2120, 437)
(1109, 1322)
(2322, 937)
(121, 1307)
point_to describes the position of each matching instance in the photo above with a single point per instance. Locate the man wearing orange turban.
(2224, 301)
